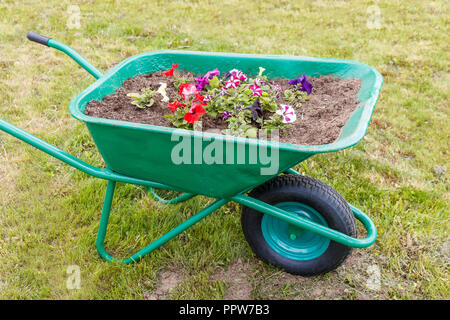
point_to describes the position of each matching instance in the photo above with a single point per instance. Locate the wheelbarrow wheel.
(298, 251)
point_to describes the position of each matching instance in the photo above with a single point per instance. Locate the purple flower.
(226, 76)
(277, 89)
(204, 81)
(306, 85)
(256, 110)
(226, 115)
(201, 82)
(211, 74)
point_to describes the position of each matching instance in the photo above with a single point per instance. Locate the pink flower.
(187, 89)
(232, 83)
(238, 74)
(257, 91)
(288, 113)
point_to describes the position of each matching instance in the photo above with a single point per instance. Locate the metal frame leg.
(155, 244)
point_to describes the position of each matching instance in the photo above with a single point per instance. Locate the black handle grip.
(36, 37)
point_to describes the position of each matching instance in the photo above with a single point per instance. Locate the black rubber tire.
(314, 193)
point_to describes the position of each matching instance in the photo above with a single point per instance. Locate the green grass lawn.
(398, 174)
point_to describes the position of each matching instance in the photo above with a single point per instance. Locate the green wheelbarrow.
(292, 221)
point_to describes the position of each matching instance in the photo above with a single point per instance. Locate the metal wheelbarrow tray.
(290, 232)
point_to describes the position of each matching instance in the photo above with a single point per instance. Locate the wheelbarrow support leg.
(155, 244)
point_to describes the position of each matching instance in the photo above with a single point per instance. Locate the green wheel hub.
(290, 241)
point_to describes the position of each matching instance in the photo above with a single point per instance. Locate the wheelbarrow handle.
(59, 154)
(36, 37)
(49, 42)
(79, 164)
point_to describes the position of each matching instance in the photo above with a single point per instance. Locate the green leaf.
(134, 95)
(213, 114)
(214, 82)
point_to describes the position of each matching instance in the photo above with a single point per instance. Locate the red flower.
(174, 105)
(200, 99)
(186, 90)
(194, 114)
(169, 73)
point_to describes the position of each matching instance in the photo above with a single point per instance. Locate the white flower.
(162, 92)
(288, 113)
(261, 70)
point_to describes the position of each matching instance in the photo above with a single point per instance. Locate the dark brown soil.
(319, 119)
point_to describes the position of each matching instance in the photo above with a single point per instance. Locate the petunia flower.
(204, 81)
(201, 82)
(261, 70)
(174, 105)
(226, 115)
(256, 89)
(306, 85)
(186, 90)
(288, 113)
(259, 81)
(232, 83)
(294, 82)
(194, 113)
(226, 76)
(200, 99)
(162, 91)
(277, 89)
(169, 73)
(235, 72)
(238, 74)
(256, 110)
(213, 73)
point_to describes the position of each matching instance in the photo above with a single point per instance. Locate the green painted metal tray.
(144, 151)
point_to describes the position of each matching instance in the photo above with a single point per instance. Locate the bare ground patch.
(360, 277)
(166, 282)
(237, 276)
